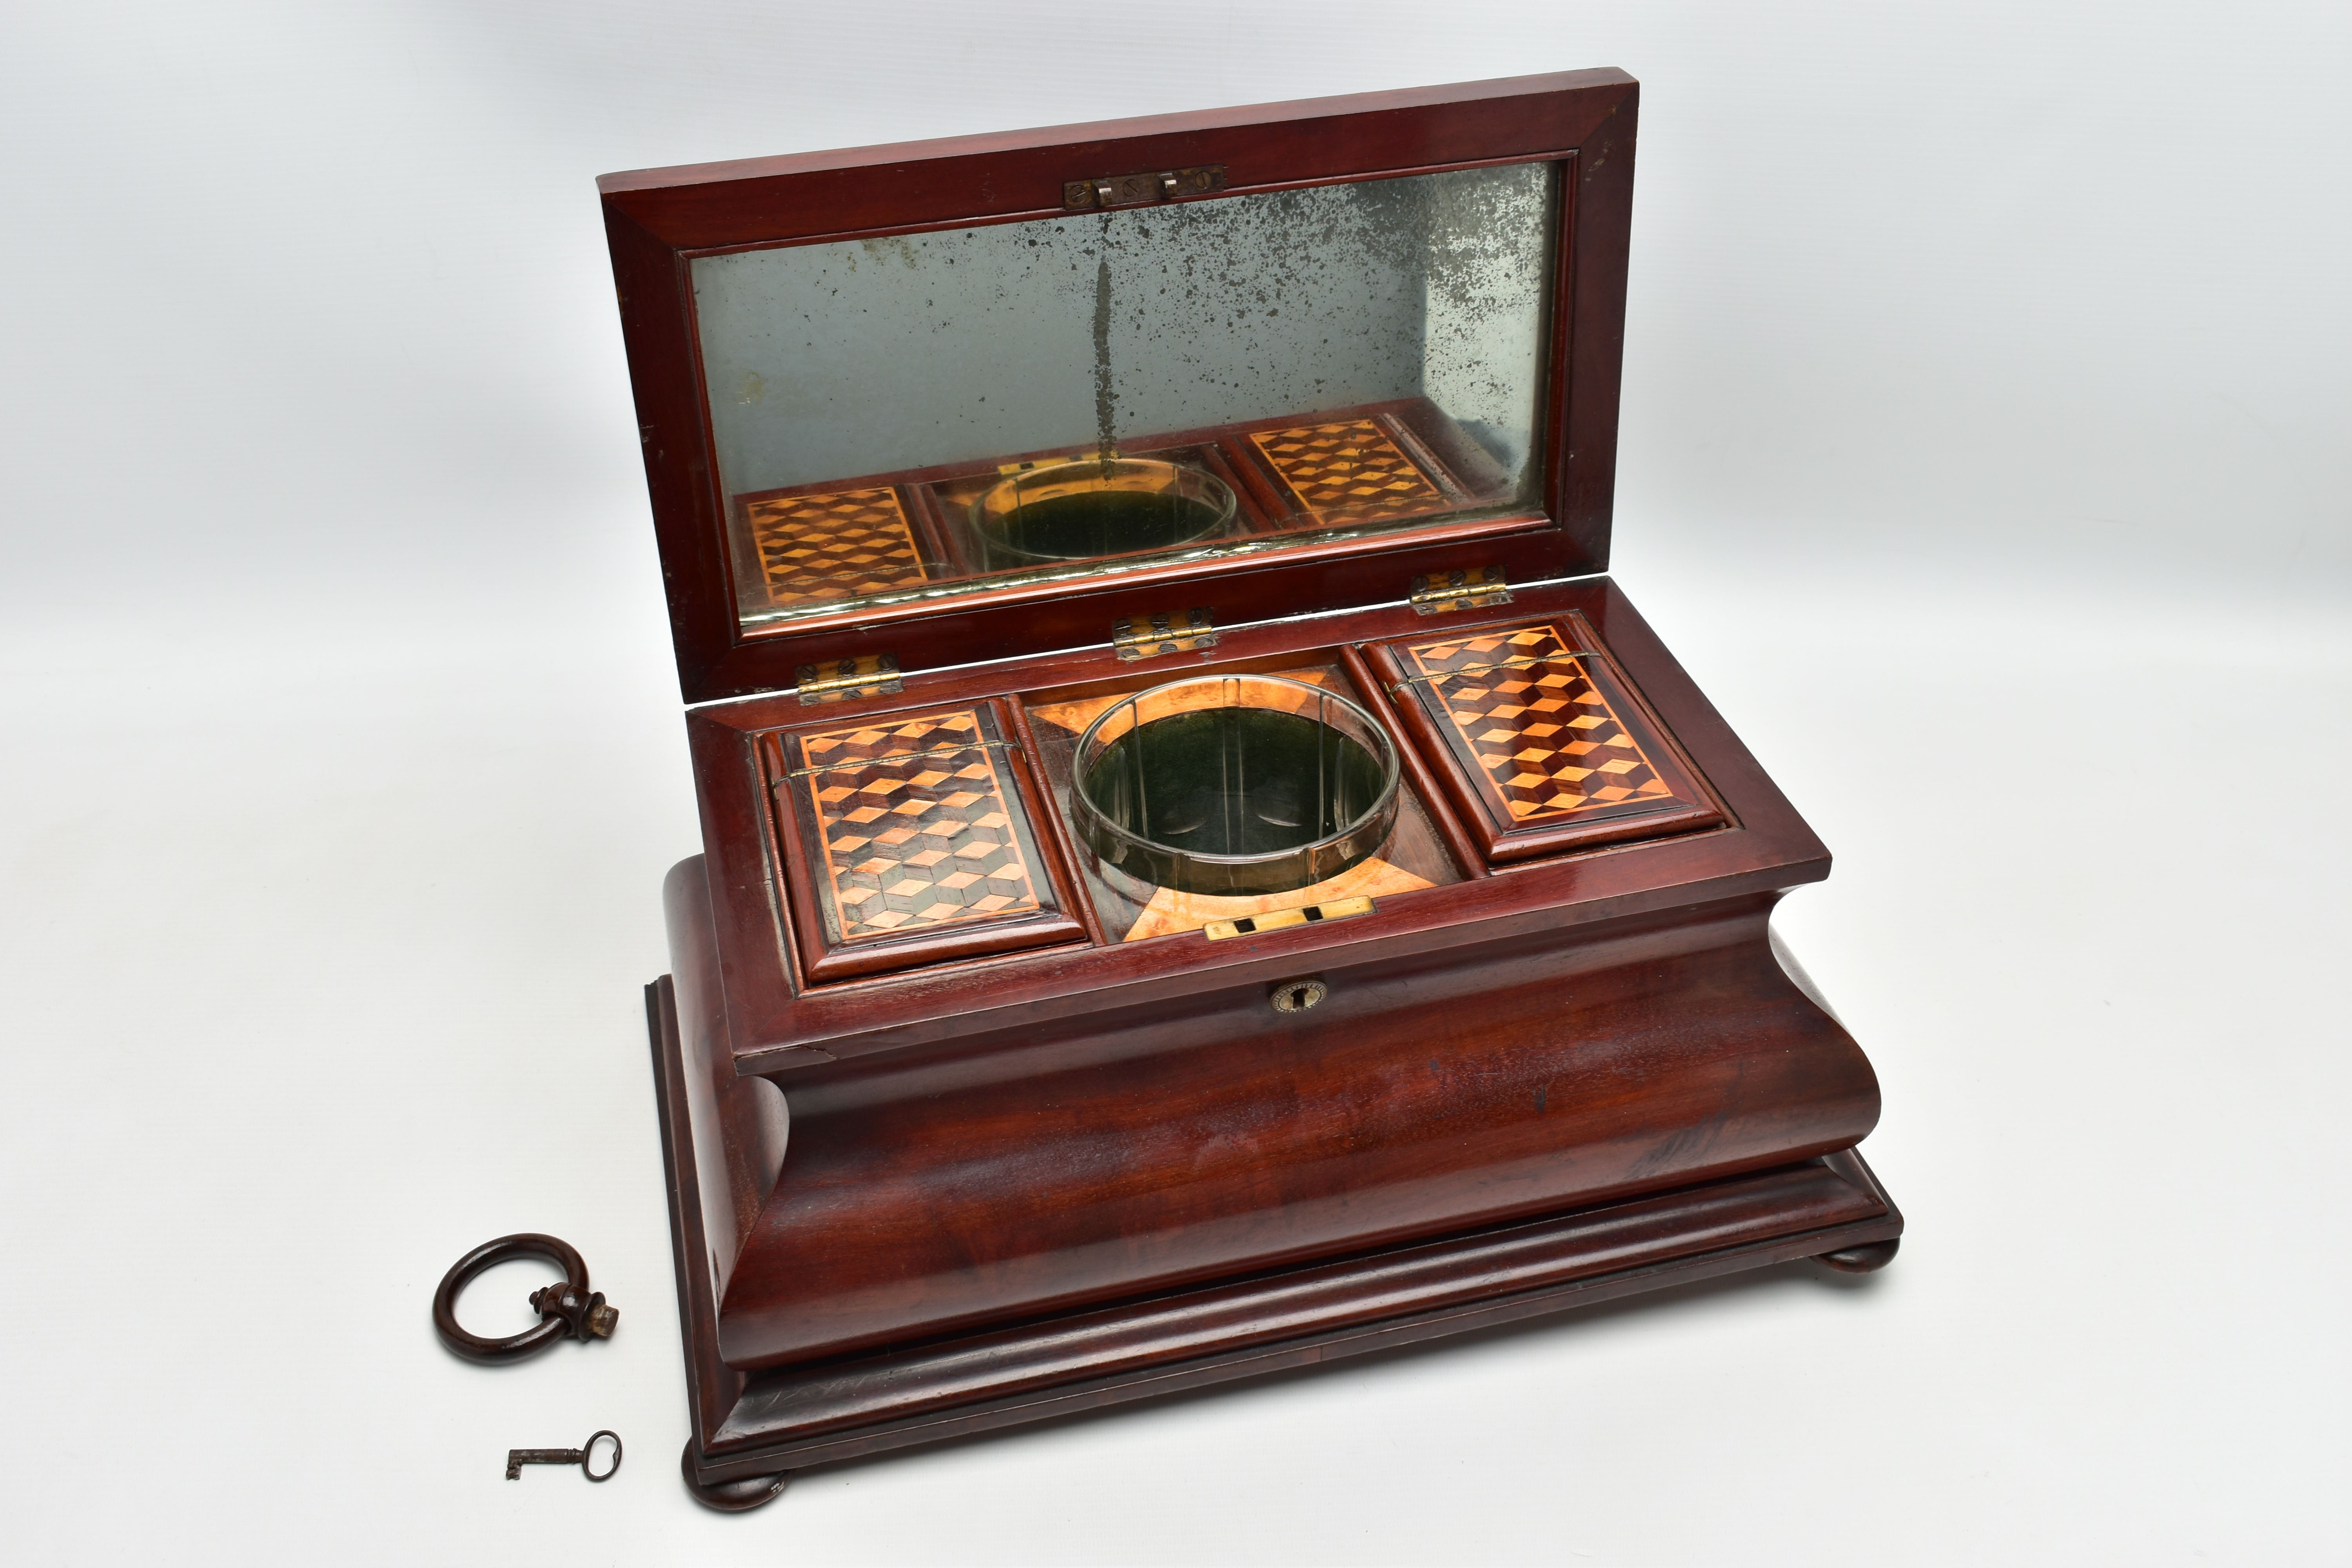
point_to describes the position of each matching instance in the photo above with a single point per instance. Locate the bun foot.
(732, 1497)
(1867, 1258)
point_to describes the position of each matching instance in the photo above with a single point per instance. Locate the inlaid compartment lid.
(985, 397)
(1551, 748)
(916, 843)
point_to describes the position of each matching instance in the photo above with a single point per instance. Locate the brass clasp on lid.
(1134, 190)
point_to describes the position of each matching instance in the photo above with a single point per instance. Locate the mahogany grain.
(1366, 1298)
(926, 1193)
(922, 1186)
(658, 220)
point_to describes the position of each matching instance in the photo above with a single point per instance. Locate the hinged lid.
(975, 399)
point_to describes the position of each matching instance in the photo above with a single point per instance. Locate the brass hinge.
(1478, 588)
(874, 677)
(1165, 633)
(1132, 190)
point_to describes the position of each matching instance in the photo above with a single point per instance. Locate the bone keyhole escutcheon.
(1298, 995)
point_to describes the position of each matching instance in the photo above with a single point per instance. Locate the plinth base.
(764, 1424)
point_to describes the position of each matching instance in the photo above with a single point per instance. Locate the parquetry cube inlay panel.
(1529, 707)
(815, 548)
(1350, 472)
(915, 818)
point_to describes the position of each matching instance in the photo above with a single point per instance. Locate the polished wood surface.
(1473, 1275)
(926, 1193)
(986, 1166)
(658, 220)
(1809, 1200)
(778, 1019)
(1030, 1138)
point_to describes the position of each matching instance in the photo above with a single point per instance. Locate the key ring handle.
(588, 1455)
(568, 1309)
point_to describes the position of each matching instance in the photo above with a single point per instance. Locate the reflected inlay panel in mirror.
(930, 414)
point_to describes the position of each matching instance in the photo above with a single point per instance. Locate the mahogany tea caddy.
(995, 1084)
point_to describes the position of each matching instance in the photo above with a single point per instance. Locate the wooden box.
(1202, 870)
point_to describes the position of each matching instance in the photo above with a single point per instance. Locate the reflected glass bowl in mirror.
(1093, 507)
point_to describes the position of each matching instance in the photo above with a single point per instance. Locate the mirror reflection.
(1068, 398)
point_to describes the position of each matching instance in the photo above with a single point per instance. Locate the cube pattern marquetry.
(1349, 472)
(1525, 704)
(916, 820)
(815, 548)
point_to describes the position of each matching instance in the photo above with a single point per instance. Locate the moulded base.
(765, 1424)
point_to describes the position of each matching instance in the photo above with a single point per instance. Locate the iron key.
(518, 1457)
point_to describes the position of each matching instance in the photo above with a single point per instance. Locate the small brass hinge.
(1166, 632)
(1478, 588)
(1134, 190)
(873, 676)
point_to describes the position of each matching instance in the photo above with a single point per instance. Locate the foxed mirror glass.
(930, 415)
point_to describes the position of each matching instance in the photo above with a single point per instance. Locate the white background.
(1985, 457)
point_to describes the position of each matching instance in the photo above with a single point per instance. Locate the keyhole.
(1298, 995)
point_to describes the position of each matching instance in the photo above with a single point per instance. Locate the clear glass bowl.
(1234, 784)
